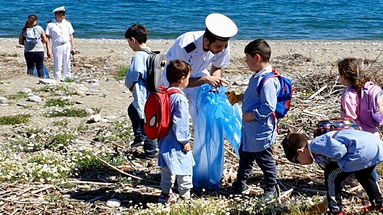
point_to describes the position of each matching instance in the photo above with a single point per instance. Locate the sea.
(167, 19)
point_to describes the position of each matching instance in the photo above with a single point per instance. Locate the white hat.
(221, 25)
(59, 9)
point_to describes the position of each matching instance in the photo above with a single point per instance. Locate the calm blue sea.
(166, 19)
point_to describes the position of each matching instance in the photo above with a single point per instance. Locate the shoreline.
(305, 41)
(113, 53)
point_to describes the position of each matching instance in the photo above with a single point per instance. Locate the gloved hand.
(234, 97)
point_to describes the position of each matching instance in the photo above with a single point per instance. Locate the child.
(175, 157)
(341, 153)
(259, 125)
(352, 76)
(135, 81)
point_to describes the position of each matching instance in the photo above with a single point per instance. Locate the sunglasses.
(60, 13)
(295, 159)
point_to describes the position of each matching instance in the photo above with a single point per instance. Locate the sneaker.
(339, 213)
(151, 155)
(137, 143)
(270, 194)
(369, 208)
(238, 188)
(166, 199)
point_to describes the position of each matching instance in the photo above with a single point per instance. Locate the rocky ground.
(65, 146)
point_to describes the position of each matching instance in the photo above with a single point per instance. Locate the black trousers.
(150, 146)
(334, 178)
(265, 161)
(35, 59)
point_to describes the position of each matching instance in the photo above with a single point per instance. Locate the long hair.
(30, 22)
(351, 69)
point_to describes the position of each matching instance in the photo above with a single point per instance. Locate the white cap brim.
(221, 25)
(62, 8)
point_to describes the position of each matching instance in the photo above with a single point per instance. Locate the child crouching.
(341, 154)
(175, 157)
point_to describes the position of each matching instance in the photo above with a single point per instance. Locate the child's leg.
(266, 162)
(334, 178)
(167, 180)
(135, 118)
(369, 184)
(246, 160)
(185, 183)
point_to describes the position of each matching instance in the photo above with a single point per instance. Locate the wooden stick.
(42, 189)
(317, 92)
(89, 182)
(118, 170)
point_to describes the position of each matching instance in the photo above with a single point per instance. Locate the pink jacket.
(351, 106)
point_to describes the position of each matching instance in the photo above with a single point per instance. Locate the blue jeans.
(150, 146)
(35, 59)
(265, 161)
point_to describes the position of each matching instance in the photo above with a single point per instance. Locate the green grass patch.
(17, 96)
(69, 80)
(16, 119)
(87, 161)
(61, 123)
(67, 113)
(59, 141)
(57, 90)
(58, 103)
(26, 146)
(121, 73)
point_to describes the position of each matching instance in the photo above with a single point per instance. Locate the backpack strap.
(265, 78)
(173, 91)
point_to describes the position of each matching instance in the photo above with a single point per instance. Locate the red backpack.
(157, 113)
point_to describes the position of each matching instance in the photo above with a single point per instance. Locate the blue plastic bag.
(217, 119)
(46, 72)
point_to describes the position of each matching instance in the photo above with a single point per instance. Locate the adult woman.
(32, 37)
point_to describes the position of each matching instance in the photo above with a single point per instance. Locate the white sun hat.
(221, 26)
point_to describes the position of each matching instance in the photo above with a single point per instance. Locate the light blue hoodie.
(353, 150)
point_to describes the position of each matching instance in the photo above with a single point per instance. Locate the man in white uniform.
(202, 48)
(60, 31)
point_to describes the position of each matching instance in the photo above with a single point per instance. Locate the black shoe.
(270, 194)
(150, 156)
(238, 188)
(137, 143)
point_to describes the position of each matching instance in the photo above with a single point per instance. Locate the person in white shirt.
(60, 32)
(202, 48)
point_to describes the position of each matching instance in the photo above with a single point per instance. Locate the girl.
(353, 77)
(32, 37)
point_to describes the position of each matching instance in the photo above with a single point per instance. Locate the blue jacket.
(353, 150)
(260, 134)
(135, 77)
(171, 146)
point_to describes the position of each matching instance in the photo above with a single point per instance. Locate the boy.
(175, 155)
(259, 124)
(341, 153)
(135, 81)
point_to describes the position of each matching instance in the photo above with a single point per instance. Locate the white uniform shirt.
(197, 58)
(59, 31)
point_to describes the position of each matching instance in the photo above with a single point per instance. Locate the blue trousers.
(35, 59)
(150, 146)
(265, 161)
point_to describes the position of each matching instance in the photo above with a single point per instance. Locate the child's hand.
(187, 147)
(248, 116)
(234, 97)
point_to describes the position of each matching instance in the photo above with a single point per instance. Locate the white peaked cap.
(62, 8)
(221, 25)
